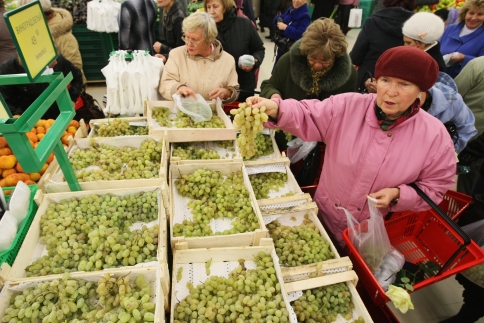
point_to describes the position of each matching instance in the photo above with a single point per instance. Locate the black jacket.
(137, 25)
(170, 30)
(380, 32)
(437, 55)
(20, 97)
(239, 37)
(473, 152)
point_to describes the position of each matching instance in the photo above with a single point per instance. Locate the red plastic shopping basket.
(421, 237)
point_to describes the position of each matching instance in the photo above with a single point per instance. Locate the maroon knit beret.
(409, 64)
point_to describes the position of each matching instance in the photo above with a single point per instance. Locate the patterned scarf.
(316, 76)
(386, 125)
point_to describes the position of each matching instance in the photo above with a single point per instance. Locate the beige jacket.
(201, 74)
(60, 27)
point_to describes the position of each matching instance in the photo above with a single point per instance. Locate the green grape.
(162, 116)
(179, 274)
(263, 146)
(182, 120)
(119, 127)
(299, 245)
(249, 122)
(263, 183)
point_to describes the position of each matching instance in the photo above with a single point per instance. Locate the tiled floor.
(433, 303)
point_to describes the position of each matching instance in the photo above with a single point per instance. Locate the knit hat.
(46, 5)
(424, 27)
(410, 64)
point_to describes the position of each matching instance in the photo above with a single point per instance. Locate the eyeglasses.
(313, 61)
(191, 41)
(387, 84)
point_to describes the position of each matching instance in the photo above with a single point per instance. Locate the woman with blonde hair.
(201, 66)
(464, 41)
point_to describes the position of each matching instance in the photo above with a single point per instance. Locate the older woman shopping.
(376, 144)
(201, 66)
(464, 41)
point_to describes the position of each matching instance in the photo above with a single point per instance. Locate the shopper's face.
(216, 9)
(165, 3)
(298, 3)
(407, 41)
(394, 96)
(195, 42)
(474, 17)
(318, 63)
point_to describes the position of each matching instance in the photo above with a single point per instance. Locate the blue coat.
(448, 106)
(471, 45)
(297, 20)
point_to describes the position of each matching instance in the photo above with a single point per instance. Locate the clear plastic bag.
(392, 263)
(198, 110)
(475, 231)
(369, 236)
(298, 149)
(246, 60)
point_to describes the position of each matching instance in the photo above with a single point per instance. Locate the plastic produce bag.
(246, 60)
(198, 110)
(369, 236)
(298, 149)
(392, 263)
(475, 231)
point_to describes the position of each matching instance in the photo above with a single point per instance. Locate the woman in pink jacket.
(376, 144)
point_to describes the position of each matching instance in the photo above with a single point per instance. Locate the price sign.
(32, 37)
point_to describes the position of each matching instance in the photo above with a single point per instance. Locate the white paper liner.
(282, 205)
(212, 145)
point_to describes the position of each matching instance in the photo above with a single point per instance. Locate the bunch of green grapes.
(187, 151)
(60, 300)
(93, 233)
(247, 295)
(262, 183)
(116, 163)
(119, 127)
(299, 245)
(323, 304)
(263, 146)
(249, 121)
(212, 197)
(226, 144)
(162, 116)
(183, 120)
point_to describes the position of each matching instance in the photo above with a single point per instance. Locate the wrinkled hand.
(185, 91)
(457, 57)
(220, 92)
(281, 25)
(157, 47)
(272, 109)
(162, 57)
(385, 196)
(370, 85)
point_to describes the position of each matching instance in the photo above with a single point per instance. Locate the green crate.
(9, 255)
(367, 6)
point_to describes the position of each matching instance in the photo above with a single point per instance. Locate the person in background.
(60, 25)
(442, 14)
(380, 32)
(170, 28)
(423, 30)
(201, 66)
(344, 9)
(292, 24)
(470, 84)
(240, 39)
(7, 47)
(367, 141)
(19, 97)
(464, 41)
(472, 153)
(136, 25)
(323, 8)
(269, 9)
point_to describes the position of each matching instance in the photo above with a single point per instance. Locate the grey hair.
(201, 20)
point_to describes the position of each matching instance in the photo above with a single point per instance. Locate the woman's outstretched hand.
(272, 109)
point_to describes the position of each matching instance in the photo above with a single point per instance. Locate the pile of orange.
(10, 170)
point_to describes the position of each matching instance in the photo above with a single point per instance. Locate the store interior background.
(433, 303)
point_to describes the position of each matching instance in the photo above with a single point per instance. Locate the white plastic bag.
(198, 110)
(356, 15)
(475, 231)
(369, 236)
(392, 263)
(298, 149)
(246, 60)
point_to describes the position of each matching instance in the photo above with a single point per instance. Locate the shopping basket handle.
(447, 219)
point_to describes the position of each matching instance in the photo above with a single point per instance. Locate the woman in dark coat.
(380, 32)
(170, 28)
(239, 37)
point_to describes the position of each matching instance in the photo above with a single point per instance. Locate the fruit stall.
(442, 4)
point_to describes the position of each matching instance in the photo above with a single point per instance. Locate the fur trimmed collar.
(331, 81)
(61, 24)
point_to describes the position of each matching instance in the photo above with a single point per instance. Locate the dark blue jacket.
(297, 20)
(471, 45)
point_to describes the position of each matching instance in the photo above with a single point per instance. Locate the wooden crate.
(233, 156)
(82, 132)
(33, 248)
(53, 180)
(152, 274)
(95, 123)
(174, 134)
(179, 211)
(222, 259)
(281, 164)
(349, 278)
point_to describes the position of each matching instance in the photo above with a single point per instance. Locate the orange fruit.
(19, 168)
(5, 151)
(7, 162)
(3, 142)
(51, 158)
(9, 171)
(72, 130)
(40, 123)
(65, 138)
(16, 116)
(32, 137)
(43, 169)
(40, 129)
(74, 123)
(28, 182)
(33, 130)
(50, 121)
(34, 177)
(35, 144)
(40, 136)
